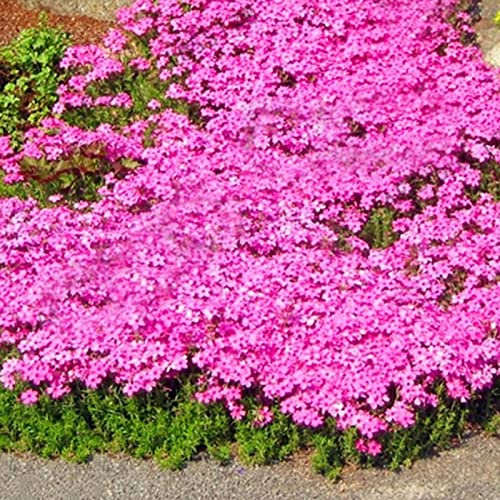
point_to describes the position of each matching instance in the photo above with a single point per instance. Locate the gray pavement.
(469, 472)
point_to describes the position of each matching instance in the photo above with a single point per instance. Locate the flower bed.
(292, 204)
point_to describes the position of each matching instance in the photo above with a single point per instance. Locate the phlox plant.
(295, 209)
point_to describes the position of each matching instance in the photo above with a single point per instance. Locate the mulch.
(14, 17)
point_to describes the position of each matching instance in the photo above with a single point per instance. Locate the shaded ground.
(489, 32)
(471, 471)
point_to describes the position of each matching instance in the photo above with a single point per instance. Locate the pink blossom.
(29, 397)
(243, 246)
(371, 447)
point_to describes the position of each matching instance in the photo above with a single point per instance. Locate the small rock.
(493, 56)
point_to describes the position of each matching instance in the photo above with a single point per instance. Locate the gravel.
(14, 17)
(471, 471)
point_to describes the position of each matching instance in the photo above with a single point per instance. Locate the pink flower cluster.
(236, 249)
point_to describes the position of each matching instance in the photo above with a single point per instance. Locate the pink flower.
(264, 417)
(370, 447)
(253, 244)
(140, 63)
(5, 149)
(29, 397)
(154, 104)
(115, 41)
(401, 415)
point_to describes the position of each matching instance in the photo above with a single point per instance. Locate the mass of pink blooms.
(235, 250)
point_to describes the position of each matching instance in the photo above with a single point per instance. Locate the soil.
(14, 17)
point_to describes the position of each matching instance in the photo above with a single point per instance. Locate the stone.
(488, 32)
(493, 56)
(97, 9)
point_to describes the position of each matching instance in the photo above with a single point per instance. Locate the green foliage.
(490, 180)
(333, 449)
(454, 284)
(273, 442)
(485, 410)
(141, 86)
(435, 429)
(49, 429)
(194, 427)
(496, 19)
(492, 426)
(169, 425)
(377, 231)
(327, 458)
(76, 178)
(29, 77)
(11, 190)
(173, 428)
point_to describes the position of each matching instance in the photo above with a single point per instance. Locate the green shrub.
(29, 77)
(377, 231)
(142, 87)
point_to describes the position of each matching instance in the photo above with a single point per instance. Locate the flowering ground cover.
(286, 212)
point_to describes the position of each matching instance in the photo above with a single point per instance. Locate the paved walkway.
(98, 9)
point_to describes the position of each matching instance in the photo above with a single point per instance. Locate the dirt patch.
(14, 17)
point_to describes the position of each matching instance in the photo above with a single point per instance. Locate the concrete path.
(469, 472)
